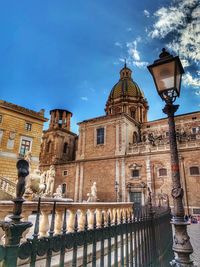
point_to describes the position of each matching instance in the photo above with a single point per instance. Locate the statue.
(58, 193)
(50, 181)
(92, 196)
(42, 185)
(33, 184)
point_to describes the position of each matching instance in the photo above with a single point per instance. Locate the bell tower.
(58, 142)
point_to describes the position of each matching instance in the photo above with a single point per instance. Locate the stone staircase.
(7, 189)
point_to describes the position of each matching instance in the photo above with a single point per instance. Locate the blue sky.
(68, 54)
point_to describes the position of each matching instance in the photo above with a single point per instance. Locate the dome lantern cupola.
(127, 97)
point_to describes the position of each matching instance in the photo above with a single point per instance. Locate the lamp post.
(116, 191)
(167, 72)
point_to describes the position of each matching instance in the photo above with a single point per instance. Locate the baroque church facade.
(123, 152)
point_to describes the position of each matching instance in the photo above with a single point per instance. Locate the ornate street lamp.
(167, 72)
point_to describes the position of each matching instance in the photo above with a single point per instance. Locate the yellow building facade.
(20, 131)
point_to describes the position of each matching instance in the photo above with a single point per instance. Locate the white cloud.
(134, 57)
(179, 25)
(118, 44)
(129, 29)
(132, 50)
(188, 79)
(84, 98)
(146, 13)
(140, 64)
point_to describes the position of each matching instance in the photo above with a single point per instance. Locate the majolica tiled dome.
(126, 86)
(127, 97)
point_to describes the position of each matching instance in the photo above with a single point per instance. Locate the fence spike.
(116, 218)
(64, 226)
(51, 232)
(95, 221)
(37, 220)
(109, 219)
(76, 223)
(102, 220)
(86, 222)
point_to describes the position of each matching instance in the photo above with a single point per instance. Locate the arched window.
(65, 147)
(48, 149)
(162, 172)
(194, 170)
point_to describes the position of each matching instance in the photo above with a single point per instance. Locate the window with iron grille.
(194, 170)
(135, 173)
(25, 146)
(162, 172)
(1, 118)
(28, 126)
(100, 136)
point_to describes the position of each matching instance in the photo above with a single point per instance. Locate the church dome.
(125, 87)
(127, 97)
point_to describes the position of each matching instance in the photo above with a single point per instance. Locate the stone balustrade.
(7, 186)
(162, 146)
(71, 213)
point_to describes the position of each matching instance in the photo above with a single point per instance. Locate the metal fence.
(141, 238)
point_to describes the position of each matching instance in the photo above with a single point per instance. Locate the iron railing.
(97, 237)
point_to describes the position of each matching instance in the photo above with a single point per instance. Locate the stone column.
(123, 185)
(117, 139)
(76, 183)
(81, 183)
(148, 173)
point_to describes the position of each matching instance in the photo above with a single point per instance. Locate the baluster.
(127, 242)
(85, 242)
(109, 239)
(116, 240)
(122, 240)
(70, 223)
(94, 248)
(102, 241)
(118, 215)
(81, 220)
(44, 223)
(64, 228)
(51, 232)
(113, 215)
(98, 217)
(91, 219)
(105, 217)
(74, 259)
(58, 221)
(35, 235)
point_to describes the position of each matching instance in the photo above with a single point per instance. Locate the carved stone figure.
(42, 185)
(58, 193)
(50, 181)
(92, 196)
(33, 184)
